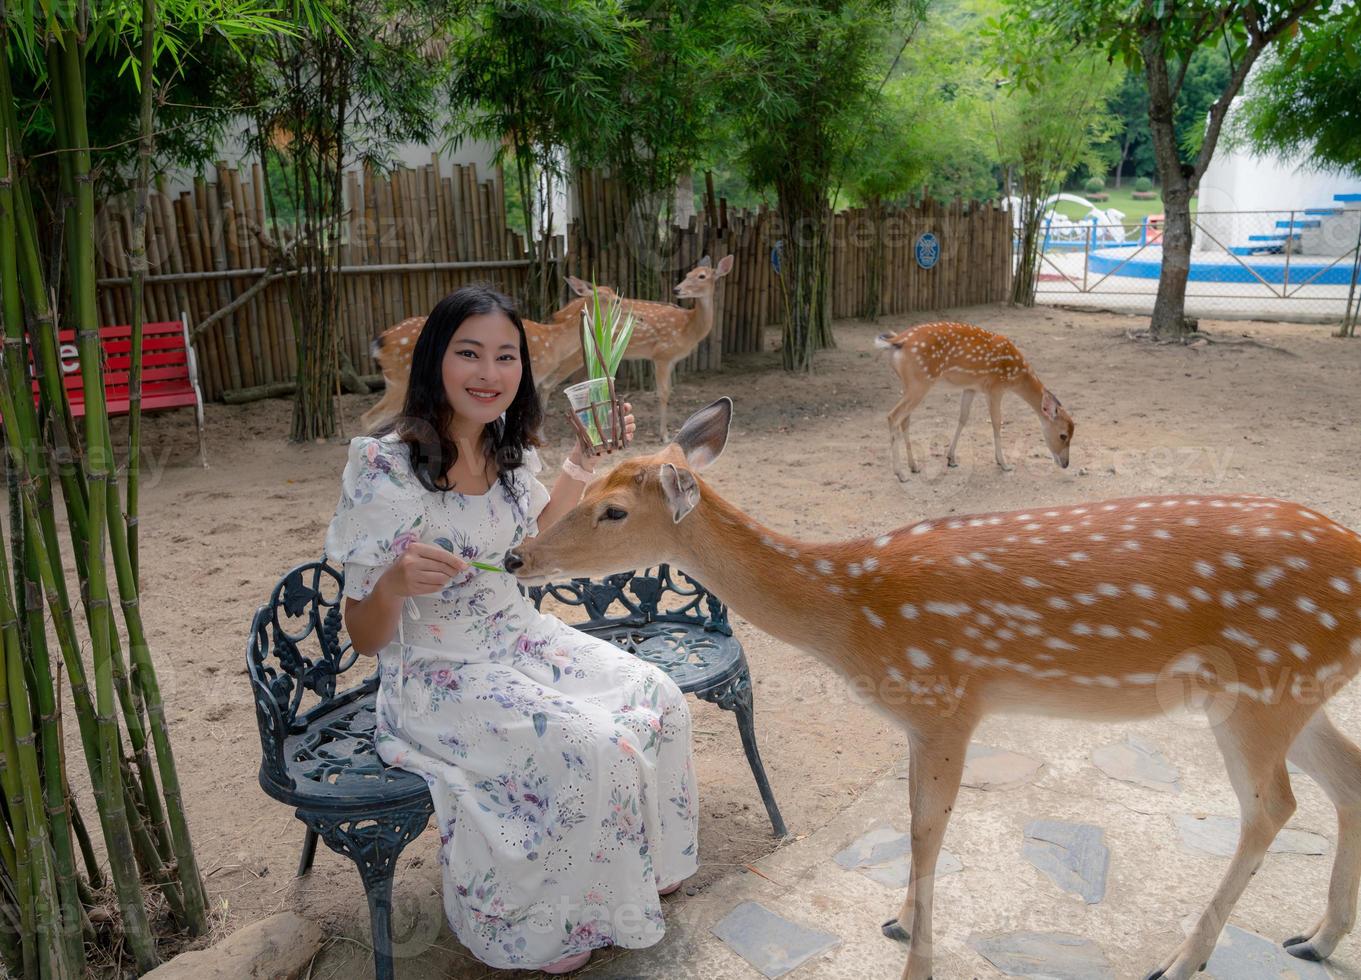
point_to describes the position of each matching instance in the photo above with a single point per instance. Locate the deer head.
(634, 516)
(699, 283)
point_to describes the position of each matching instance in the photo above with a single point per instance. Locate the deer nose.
(513, 561)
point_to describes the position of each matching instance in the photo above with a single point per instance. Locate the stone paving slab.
(1242, 955)
(884, 855)
(1074, 855)
(1138, 761)
(771, 943)
(1047, 955)
(1219, 836)
(987, 767)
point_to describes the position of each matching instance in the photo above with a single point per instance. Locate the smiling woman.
(560, 766)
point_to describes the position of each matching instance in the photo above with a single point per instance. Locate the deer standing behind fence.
(554, 352)
(665, 334)
(1245, 607)
(968, 357)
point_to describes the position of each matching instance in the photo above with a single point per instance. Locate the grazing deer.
(1246, 607)
(974, 359)
(666, 334)
(554, 352)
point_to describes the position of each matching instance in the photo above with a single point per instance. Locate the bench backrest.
(165, 360)
(295, 648)
(660, 595)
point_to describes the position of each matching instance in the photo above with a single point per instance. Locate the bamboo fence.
(413, 235)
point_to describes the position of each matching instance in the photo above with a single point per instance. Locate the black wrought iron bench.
(320, 757)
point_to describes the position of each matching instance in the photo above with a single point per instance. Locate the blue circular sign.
(927, 250)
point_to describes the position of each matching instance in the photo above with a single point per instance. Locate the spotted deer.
(1247, 608)
(554, 351)
(974, 359)
(666, 334)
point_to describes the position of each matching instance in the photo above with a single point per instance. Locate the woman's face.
(482, 367)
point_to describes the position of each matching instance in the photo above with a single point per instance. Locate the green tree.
(1306, 101)
(121, 727)
(803, 81)
(1161, 38)
(539, 79)
(1051, 117)
(354, 79)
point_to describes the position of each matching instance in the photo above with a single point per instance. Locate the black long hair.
(426, 416)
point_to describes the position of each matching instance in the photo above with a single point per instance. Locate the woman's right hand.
(421, 570)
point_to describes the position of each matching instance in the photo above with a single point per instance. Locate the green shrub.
(1095, 185)
(1143, 185)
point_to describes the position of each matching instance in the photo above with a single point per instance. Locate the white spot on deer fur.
(1236, 635)
(919, 658)
(921, 528)
(1109, 632)
(1340, 584)
(1078, 556)
(1054, 643)
(1030, 582)
(1058, 602)
(1187, 663)
(1227, 599)
(1109, 591)
(835, 589)
(908, 610)
(1085, 599)
(1143, 504)
(1138, 632)
(871, 563)
(1096, 537)
(961, 561)
(875, 619)
(1162, 534)
(1110, 507)
(1105, 680)
(1268, 612)
(1191, 521)
(952, 609)
(823, 566)
(961, 655)
(1080, 629)
(1306, 604)
(853, 569)
(1355, 647)
(1300, 650)
(1204, 569)
(1177, 602)
(1328, 620)
(1297, 563)
(1131, 545)
(1231, 560)
(1198, 593)
(1268, 577)
(882, 541)
(1141, 680)
(1005, 634)
(1267, 655)
(1143, 591)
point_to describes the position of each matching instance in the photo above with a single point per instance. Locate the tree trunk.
(1168, 319)
(805, 276)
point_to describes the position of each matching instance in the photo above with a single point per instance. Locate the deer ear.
(681, 490)
(704, 263)
(1049, 405)
(578, 286)
(705, 433)
(725, 265)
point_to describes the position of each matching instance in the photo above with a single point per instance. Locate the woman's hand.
(422, 569)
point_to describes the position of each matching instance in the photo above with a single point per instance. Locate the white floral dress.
(560, 766)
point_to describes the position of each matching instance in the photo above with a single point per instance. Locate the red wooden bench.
(169, 371)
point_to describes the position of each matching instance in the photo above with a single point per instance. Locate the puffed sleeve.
(380, 513)
(535, 493)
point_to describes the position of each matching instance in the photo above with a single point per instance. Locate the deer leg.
(394, 397)
(663, 373)
(1334, 762)
(898, 420)
(965, 403)
(995, 413)
(937, 759)
(1254, 751)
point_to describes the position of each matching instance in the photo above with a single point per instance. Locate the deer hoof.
(893, 930)
(1302, 949)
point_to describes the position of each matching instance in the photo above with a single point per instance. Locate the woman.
(560, 767)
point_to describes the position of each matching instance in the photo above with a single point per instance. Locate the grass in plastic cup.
(582, 396)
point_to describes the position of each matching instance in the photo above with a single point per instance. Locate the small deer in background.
(974, 359)
(1246, 607)
(666, 334)
(554, 352)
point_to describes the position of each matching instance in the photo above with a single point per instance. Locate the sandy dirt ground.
(807, 455)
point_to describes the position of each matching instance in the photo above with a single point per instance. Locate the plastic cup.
(590, 401)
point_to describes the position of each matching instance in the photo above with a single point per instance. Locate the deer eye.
(1063, 437)
(614, 514)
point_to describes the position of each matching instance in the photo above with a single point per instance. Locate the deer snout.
(514, 560)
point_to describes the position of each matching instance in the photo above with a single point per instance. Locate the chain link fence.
(1302, 265)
